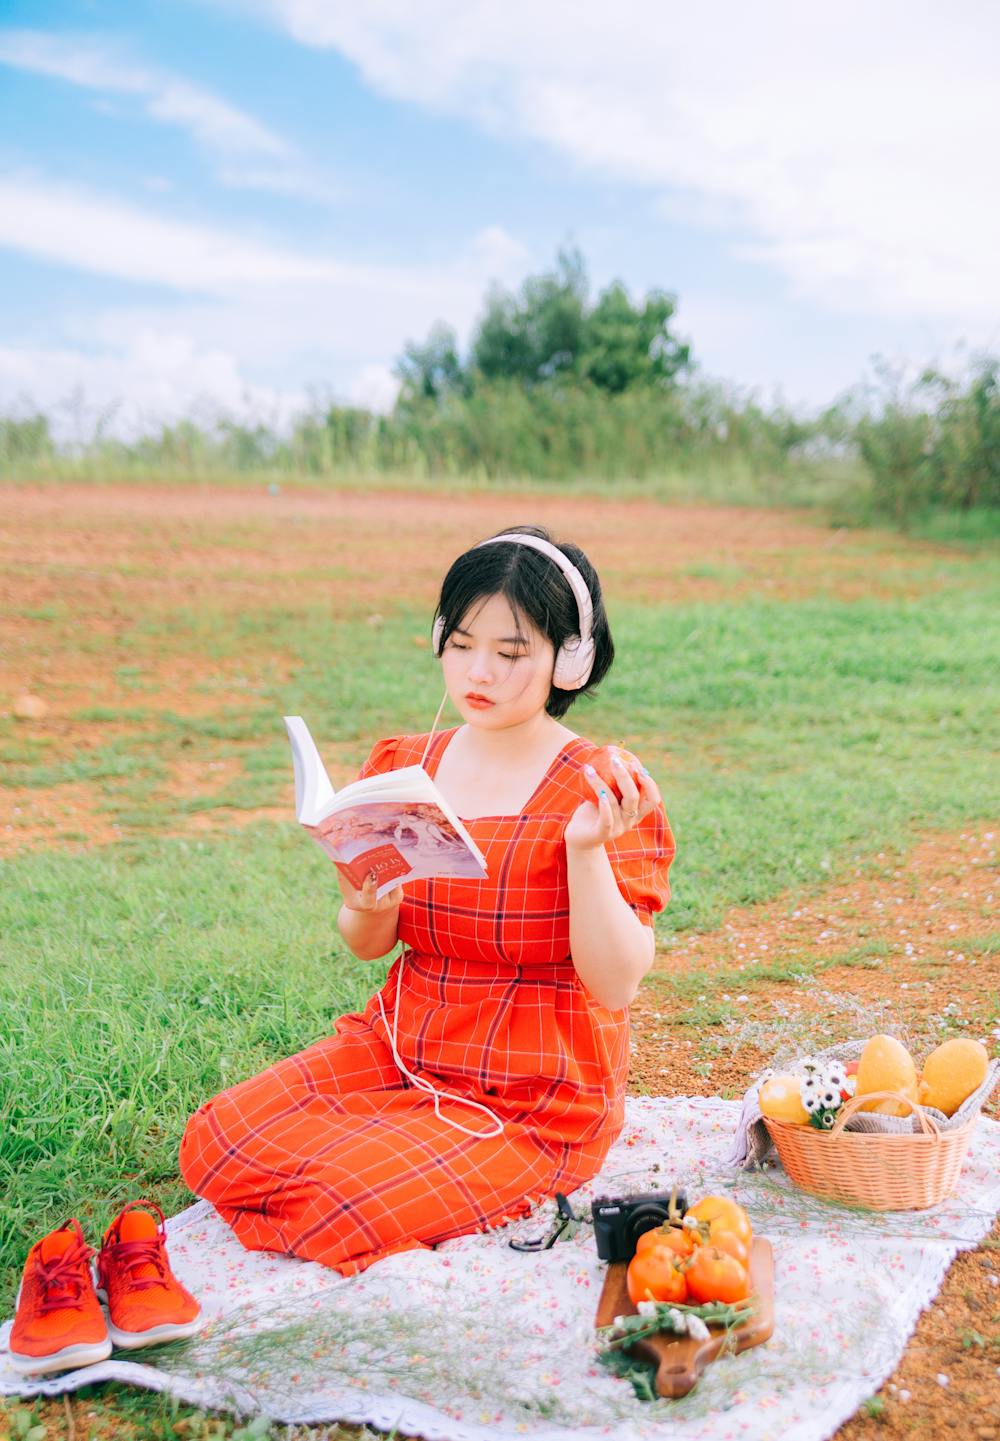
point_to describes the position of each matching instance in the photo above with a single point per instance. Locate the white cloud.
(375, 388)
(80, 60)
(107, 236)
(158, 377)
(250, 155)
(238, 306)
(499, 252)
(212, 121)
(851, 150)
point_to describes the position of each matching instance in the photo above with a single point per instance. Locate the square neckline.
(449, 736)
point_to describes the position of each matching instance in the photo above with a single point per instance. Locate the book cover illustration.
(395, 839)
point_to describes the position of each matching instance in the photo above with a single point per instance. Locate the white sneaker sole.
(169, 1331)
(68, 1359)
(155, 1336)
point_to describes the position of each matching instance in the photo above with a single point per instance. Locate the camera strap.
(565, 1229)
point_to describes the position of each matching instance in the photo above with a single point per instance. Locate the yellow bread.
(953, 1072)
(886, 1065)
(780, 1100)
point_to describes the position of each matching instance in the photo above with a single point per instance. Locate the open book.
(397, 824)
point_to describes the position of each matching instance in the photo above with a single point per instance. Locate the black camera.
(619, 1221)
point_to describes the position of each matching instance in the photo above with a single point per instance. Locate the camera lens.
(643, 1218)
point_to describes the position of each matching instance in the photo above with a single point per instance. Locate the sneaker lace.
(66, 1274)
(134, 1255)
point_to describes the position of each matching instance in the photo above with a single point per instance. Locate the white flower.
(828, 1120)
(646, 1308)
(850, 1085)
(697, 1329)
(830, 1100)
(809, 1063)
(834, 1078)
(811, 1102)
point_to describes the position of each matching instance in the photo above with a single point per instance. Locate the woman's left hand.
(605, 818)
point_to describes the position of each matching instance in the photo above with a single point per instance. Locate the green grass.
(792, 742)
(138, 981)
(789, 740)
(979, 527)
(802, 716)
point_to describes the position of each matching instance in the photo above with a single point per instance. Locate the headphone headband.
(584, 604)
(575, 659)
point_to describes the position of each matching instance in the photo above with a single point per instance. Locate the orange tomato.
(712, 1275)
(680, 1242)
(720, 1214)
(733, 1245)
(655, 1276)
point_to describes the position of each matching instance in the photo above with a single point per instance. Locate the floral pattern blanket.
(478, 1341)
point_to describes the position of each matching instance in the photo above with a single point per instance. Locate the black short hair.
(535, 587)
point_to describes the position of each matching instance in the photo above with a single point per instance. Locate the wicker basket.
(884, 1171)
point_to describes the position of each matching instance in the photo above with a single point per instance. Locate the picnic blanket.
(476, 1342)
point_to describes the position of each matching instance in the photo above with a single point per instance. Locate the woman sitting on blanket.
(489, 1071)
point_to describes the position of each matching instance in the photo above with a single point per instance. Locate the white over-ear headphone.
(575, 657)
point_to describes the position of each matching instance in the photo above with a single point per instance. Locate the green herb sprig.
(671, 1318)
(657, 1318)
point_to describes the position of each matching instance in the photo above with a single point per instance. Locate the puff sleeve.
(382, 758)
(641, 861)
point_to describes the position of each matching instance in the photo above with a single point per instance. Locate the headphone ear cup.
(437, 635)
(574, 663)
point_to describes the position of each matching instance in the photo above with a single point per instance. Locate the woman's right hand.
(364, 900)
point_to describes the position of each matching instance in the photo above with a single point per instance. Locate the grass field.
(819, 707)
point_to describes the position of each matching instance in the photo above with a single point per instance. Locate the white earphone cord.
(584, 603)
(433, 728)
(419, 1081)
(425, 1085)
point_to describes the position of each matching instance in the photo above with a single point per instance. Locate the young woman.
(489, 1071)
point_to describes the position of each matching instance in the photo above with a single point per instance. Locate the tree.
(625, 345)
(432, 370)
(965, 459)
(548, 330)
(535, 335)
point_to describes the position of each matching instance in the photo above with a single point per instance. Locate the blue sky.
(243, 204)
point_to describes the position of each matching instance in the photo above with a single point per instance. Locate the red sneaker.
(146, 1302)
(59, 1322)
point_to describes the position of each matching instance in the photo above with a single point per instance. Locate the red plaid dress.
(333, 1155)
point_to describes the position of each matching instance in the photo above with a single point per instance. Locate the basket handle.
(928, 1126)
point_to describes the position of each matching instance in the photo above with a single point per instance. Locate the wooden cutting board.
(680, 1360)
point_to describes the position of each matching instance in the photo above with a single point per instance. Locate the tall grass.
(501, 431)
(933, 444)
(900, 451)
